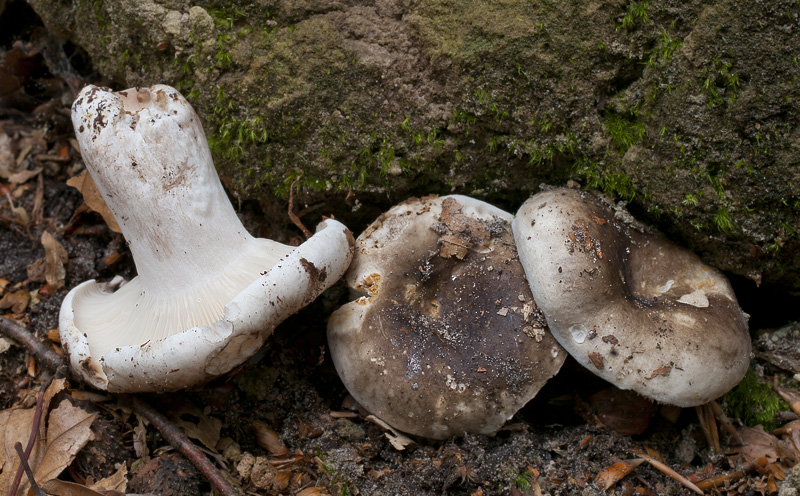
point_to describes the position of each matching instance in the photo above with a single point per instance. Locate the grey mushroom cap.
(631, 306)
(444, 336)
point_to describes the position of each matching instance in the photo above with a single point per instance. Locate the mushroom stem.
(146, 151)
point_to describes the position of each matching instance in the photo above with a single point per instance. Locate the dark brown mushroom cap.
(445, 337)
(632, 307)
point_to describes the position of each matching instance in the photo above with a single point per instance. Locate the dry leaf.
(313, 491)
(790, 397)
(22, 176)
(63, 488)
(206, 429)
(24, 218)
(15, 426)
(758, 443)
(5, 344)
(69, 428)
(140, 439)
(36, 270)
(84, 183)
(118, 481)
(269, 440)
(55, 256)
(397, 439)
(6, 156)
(616, 472)
(16, 301)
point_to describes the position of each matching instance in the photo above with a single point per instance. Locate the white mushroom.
(632, 307)
(444, 337)
(207, 293)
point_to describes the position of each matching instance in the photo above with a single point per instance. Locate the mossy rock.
(688, 111)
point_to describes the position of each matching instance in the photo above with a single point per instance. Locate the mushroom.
(637, 310)
(444, 336)
(207, 293)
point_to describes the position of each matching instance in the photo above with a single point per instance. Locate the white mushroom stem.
(147, 153)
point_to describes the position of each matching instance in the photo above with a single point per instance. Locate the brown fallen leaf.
(758, 444)
(616, 472)
(16, 302)
(22, 176)
(63, 488)
(15, 426)
(313, 491)
(118, 481)
(55, 256)
(197, 425)
(269, 440)
(790, 397)
(84, 183)
(69, 428)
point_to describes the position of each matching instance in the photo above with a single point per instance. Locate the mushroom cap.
(629, 305)
(194, 356)
(444, 337)
(207, 293)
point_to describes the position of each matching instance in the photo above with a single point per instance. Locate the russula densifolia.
(631, 306)
(207, 293)
(444, 336)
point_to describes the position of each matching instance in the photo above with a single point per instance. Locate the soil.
(577, 428)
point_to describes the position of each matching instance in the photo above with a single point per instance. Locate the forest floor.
(283, 423)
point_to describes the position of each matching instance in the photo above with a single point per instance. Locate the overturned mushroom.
(444, 337)
(208, 294)
(632, 307)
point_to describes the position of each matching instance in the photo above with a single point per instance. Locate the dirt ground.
(283, 423)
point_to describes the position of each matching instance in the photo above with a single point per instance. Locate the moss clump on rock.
(652, 101)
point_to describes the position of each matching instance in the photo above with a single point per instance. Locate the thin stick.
(37, 420)
(668, 471)
(292, 215)
(38, 349)
(729, 477)
(179, 440)
(736, 439)
(23, 461)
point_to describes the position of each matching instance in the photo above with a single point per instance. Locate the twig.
(668, 471)
(37, 420)
(709, 426)
(172, 434)
(38, 349)
(292, 215)
(23, 461)
(736, 439)
(179, 440)
(729, 477)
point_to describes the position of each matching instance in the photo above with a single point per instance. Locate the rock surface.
(689, 111)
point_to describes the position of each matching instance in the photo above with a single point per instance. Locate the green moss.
(624, 131)
(723, 220)
(755, 403)
(233, 134)
(662, 53)
(606, 178)
(635, 13)
(721, 84)
(523, 480)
